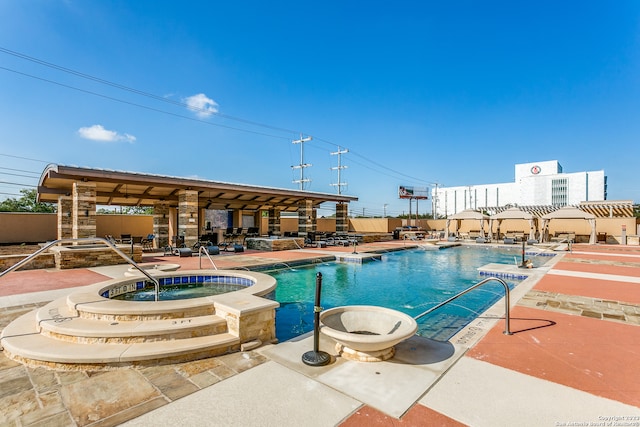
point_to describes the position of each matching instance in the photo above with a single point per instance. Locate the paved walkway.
(573, 359)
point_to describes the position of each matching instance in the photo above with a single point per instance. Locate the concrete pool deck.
(574, 357)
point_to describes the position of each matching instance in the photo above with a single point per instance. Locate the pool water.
(409, 281)
(180, 291)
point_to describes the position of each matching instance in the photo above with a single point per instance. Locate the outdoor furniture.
(602, 238)
(213, 250)
(147, 242)
(183, 252)
(125, 239)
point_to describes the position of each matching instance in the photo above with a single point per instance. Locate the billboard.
(406, 192)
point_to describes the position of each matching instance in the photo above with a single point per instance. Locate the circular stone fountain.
(366, 333)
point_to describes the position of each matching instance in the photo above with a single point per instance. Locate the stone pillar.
(306, 217)
(342, 220)
(274, 222)
(188, 216)
(84, 210)
(161, 224)
(65, 222)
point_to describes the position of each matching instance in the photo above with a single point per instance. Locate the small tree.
(27, 203)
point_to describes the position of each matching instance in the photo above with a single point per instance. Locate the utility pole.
(384, 209)
(434, 202)
(339, 168)
(302, 164)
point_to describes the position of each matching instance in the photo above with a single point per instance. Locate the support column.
(188, 216)
(274, 222)
(161, 223)
(342, 220)
(306, 218)
(84, 210)
(65, 222)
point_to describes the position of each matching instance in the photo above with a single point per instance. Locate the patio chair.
(237, 234)
(126, 239)
(147, 242)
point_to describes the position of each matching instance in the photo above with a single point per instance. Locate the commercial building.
(536, 184)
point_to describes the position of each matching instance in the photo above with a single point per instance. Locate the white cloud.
(202, 105)
(99, 133)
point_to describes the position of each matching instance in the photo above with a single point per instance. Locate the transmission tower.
(339, 168)
(302, 164)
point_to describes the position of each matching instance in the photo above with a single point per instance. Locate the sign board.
(405, 192)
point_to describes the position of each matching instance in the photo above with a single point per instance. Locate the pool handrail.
(204, 250)
(507, 329)
(86, 240)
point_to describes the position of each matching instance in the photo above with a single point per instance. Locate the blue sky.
(419, 92)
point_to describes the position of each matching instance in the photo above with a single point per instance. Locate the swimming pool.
(409, 281)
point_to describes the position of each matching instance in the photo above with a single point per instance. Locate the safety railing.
(86, 240)
(203, 250)
(507, 328)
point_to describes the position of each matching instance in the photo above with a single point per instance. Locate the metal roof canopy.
(137, 189)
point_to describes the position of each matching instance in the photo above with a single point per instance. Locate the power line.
(24, 158)
(16, 183)
(177, 103)
(20, 170)
(157, 110)
(17, 174)
(137, 91)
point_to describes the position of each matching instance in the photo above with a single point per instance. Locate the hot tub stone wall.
(257, 325)
(263, 244)
(83, 258)
(45, 260)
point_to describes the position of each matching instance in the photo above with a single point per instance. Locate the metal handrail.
(204, 250)
(507, 330)
(86, 240)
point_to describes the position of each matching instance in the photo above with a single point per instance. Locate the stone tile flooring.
(582, 306)
(40, 397)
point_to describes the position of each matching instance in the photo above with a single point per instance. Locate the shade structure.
(467, 214)
(570, 212)
(513, 213)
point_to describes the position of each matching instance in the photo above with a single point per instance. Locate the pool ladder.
(507, 329)
(86, 240)
(203, 250)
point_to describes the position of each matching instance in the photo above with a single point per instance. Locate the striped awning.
(601, 209)
(609, 209)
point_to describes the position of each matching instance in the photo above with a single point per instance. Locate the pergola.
(464, 215)
(512, 213)
(79, 190)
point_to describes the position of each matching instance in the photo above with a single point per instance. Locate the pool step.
(41, 350)
(55, 336)
(89, 305)
(60, 322)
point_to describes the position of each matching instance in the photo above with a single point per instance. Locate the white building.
(537, 183)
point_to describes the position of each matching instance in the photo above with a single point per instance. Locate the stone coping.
(89, 299)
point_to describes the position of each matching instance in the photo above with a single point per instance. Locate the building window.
(559, 191)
